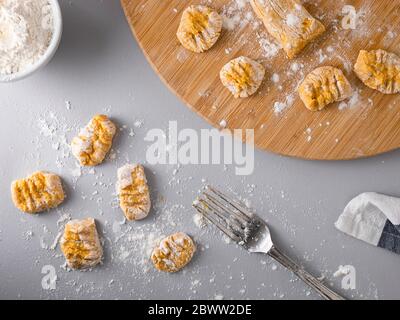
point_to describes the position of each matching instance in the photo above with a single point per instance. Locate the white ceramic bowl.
(51, 50)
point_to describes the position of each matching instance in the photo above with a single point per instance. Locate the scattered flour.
(292, 20)
(351, 103)
(182, 55)
(275, 78)
(55, 128)
(199, 221)
(228, 50)
(279, 107)
(322, 56)
(295, 67)
(269, 48)
(135, 247)
(234, 15)
(218, 297)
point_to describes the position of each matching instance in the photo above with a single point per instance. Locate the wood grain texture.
(370, 127)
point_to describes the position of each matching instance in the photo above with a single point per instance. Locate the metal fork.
(251, 232)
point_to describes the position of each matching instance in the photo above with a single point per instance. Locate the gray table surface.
(100, 68)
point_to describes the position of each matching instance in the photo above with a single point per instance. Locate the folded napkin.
(373, 218)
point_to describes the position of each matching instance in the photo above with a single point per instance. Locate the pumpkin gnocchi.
(80, 244)
(324, 86)
(379, 70)
(94, 141)
(242, 76)
(289, 23)
(173, 253)
(38, 192)
(133, 192)
(199, 29)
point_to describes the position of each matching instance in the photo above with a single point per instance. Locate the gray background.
(99, 68)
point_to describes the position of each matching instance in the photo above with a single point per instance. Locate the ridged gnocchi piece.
(94, 141)
(173, 253)
(379, 70)
(38, 192)
(324, 86)
(242, 76)
(80, 244)
(289, 23)
(133, 192)
(200, 28)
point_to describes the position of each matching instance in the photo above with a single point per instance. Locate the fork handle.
(313, 282)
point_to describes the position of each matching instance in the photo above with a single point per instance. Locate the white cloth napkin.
(373, 218)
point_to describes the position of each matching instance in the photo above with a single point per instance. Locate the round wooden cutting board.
(366, 125)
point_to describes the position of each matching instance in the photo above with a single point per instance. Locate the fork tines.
(232, 218)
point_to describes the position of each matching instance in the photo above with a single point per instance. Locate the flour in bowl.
(26, 29)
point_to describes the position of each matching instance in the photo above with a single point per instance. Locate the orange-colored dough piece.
(289, 23)
(173, 253)
(133, 192)
(324, 86)
(80, 244)
(94, 141)
(379, 70)
(199, 29)
(38, 192)
(242, 76)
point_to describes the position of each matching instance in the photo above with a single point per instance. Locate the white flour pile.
(26, 29)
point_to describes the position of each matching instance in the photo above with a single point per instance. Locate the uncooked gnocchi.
(173, 253)
(379, 70)
(242, 76)
(94, 141)
(80, 244)
(133, 192)
(289, 23)
(200, 28)
(324, 86)
(38, 192)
